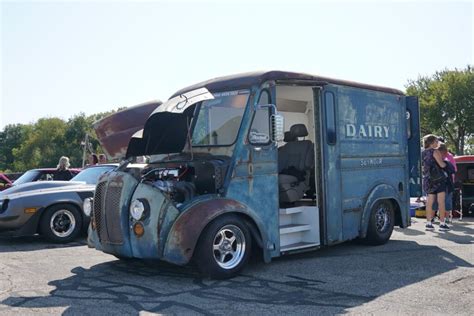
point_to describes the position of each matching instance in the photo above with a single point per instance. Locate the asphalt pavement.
(416, 272)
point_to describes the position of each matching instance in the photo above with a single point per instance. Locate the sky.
(61, 58)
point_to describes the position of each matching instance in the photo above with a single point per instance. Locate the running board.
(298, 246)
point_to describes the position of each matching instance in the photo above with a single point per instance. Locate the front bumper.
(14, 215)
(112, 228)
(14, 221)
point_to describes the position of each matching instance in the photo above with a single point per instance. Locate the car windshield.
(219, 119)
(28, 176)
(91, 175)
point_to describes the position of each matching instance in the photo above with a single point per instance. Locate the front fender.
(184, 234)
(379, 192)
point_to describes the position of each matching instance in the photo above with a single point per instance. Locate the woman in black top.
(62, 171)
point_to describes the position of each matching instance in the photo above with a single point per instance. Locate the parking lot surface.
(417, 272)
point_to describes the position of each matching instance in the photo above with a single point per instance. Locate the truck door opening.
(299, 210)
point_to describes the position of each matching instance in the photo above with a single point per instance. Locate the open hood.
(166, 129)
(115, 130)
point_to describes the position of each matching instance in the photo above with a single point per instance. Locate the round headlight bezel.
(137, 209)
(87, 206)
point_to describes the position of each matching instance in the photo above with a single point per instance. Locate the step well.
(294, 228)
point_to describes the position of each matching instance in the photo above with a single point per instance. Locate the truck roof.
(245, 80)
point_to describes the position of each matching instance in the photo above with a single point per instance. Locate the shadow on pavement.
(460, 232)
(329, 281)
(32, 243)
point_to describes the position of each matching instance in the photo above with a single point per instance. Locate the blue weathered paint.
(376, 154)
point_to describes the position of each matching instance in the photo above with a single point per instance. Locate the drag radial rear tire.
(223, 248)
(382, 219)
(61, 223)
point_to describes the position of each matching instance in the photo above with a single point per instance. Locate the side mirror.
(278, 127)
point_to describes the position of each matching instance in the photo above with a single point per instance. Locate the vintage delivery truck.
(267, 163)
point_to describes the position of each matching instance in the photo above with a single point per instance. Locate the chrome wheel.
(382, 218)
(229, 246)
(62, 223)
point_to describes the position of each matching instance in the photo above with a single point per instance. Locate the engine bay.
(182, 181)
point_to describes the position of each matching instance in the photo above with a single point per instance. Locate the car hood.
(166, 129)
(115, 130)
(43, 187)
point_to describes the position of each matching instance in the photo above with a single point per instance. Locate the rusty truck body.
(266, 162)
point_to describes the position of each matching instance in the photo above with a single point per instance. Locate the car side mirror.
(277, 123)
(278, 127)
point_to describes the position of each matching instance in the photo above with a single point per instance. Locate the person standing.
(62, 172)
(450, 170)
(431, 158)
(102, 159)
(93, 160)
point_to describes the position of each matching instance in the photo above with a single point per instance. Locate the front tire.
(61, 223)
(382, 220)
(223, 248)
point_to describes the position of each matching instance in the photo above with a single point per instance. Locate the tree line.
(447, 106)
(41, 144)
(446, 109)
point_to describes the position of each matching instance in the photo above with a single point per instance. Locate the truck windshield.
(219, 119)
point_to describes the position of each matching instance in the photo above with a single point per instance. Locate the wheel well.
(397, 211)
(52, 205)
(257, 242)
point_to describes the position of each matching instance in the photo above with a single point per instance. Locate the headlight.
(4, 205)
(87, 206)
(137, 208)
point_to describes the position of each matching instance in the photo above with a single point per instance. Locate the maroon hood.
(114, 131)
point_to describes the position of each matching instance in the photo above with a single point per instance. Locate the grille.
(107, 211)
(97, 207)
(112, 212)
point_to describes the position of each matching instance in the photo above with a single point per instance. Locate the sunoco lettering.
(367, 131)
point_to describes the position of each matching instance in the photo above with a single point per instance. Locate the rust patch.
(187, 229)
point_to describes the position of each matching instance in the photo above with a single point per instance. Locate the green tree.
(40, 144)
(447, 105)
(43, 145)
(76, 129)
(11, 137)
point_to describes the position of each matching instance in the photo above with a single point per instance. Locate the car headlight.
(87, 206)
(137, 208)
(4, 205)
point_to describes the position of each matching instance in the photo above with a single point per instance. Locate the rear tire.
(61, 223)
(223, 248)
(382, 219)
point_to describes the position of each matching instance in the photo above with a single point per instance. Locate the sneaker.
(429, 226)
(444, 227)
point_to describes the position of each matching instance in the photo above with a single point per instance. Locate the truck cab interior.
(296, 155)
(299, 214)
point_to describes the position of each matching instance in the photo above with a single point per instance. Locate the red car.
(465, 177)
(42, 174)
(5, 183)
